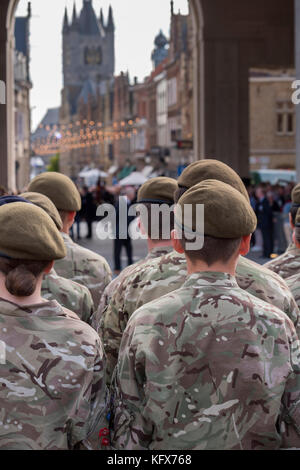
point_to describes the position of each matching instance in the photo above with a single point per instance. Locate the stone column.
(7, 141)
(297, 63)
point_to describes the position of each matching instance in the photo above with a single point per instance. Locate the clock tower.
(88, 46)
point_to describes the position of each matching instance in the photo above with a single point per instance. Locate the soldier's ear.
(49, 267)
(176, 242)
(141, 227)
(295, 240)
(245, 245)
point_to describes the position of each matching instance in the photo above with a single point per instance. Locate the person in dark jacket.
(88, 209)
(122, 237)
(264, 215)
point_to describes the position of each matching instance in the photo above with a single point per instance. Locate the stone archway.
(226, 43)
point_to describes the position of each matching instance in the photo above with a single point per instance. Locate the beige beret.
(59, 188)
(211, 169)
(158, 190)
(44, 203)
(296, 195)
(227, 214)
(28, 233)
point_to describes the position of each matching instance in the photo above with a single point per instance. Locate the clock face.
(93, 55)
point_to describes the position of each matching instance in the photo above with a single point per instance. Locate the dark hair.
(293, 212)
(161, 222)
(21, 275)
(178, 193)
(214, 249)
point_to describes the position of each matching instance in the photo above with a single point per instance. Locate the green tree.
(54, 163)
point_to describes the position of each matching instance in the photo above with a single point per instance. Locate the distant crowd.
(271, 203)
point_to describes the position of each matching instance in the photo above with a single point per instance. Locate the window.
(280, 123)
(285, 117)
(172, 92)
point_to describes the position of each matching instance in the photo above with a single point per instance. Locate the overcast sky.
(137, 23)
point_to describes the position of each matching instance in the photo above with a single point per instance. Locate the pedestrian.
(192, 366)
(151, 196)
(52, 391)
(165, 274)
(122, 237)
(69, 294)
(265, 220)
(80, 265)
(288, 263)
(88, 210)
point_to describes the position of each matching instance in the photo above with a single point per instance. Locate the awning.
(135, 179)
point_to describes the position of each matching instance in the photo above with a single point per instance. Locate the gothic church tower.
(88, 49)
(88, 74)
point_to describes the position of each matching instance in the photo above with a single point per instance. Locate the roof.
(88, 23)
(88, 89)
(21, 35)
(51, 118)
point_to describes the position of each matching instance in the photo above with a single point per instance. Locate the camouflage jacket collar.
(292, 249)
(44, 309)
(67, 238)
(159, 251)
(211, 278)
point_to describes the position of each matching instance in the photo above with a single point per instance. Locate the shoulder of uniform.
(87, 255)
(81, 329)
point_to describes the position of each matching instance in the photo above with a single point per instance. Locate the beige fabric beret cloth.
(44, 203)
(158, 190)
(28, 233)
(211, 169)
(59, 188)
(296, 194)
(227, 214)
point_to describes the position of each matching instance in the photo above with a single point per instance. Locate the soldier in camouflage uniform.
(52, 384)
(155, 192)
(209, 366)
(163, 275)
(68, 293)
(288, 263)
(294, 281)
(80, 265)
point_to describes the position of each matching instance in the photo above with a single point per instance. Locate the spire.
(74, 25)
(88, 23)
(172, 7)
(66, 22)
(101, 17)
(74, 19)
(110, 23)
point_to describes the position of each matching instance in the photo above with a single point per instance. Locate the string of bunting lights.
(70, 136)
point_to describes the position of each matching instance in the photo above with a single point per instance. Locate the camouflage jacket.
(85, 267)
(166, 274)
(293, 283)
(287, 264)
(69, 294)
(52, 384)
(113, 286)
(208, 366)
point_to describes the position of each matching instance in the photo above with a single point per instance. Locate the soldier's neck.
(33, 299)
(196, 266)
(157, 244)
